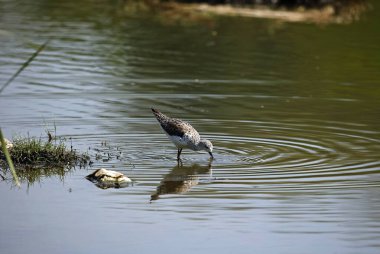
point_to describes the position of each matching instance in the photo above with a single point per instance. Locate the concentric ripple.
(330, 154)
(267, 155)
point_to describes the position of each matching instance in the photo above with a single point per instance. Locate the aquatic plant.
(34, 157)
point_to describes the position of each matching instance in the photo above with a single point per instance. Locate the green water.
(293, 111)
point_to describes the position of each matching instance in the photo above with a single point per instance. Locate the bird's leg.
(179, 161)
(179, 154)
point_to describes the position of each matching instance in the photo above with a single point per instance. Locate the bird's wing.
(177, 127)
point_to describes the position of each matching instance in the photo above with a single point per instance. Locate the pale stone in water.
(105, 175)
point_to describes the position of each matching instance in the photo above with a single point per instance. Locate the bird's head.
(206, 145)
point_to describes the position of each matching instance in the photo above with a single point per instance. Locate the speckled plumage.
(182, 134)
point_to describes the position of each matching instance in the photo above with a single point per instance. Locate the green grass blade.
(24, 65)
(8, 158)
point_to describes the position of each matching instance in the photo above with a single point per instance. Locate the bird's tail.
(158, 114)
(155, 111)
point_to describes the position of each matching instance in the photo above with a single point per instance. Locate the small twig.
(24, 65)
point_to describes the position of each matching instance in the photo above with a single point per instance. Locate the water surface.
(292, 111)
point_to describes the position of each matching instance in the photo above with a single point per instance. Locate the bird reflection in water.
(181, 179)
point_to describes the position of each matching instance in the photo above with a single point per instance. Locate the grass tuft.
(34, 157)
(36, 152)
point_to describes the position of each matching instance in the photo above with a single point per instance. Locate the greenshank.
(182, 134)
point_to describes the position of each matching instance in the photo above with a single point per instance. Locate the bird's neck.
(198, 146)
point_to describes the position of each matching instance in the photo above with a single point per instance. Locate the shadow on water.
(32, 175)
(181, 179)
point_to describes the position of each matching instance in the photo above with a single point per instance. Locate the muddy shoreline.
(336, 12)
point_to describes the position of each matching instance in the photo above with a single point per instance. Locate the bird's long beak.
(212, 157)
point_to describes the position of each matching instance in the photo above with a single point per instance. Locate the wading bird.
(182, 134)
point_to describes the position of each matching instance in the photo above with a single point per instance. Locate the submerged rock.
(104, 179)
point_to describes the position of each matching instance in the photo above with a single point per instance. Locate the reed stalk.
(31, 58)
(8, 158)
